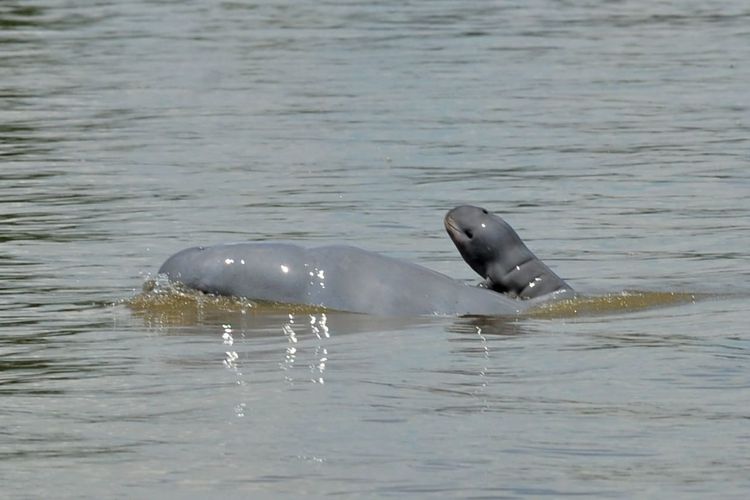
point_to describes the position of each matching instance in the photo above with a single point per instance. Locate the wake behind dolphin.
(347, 278)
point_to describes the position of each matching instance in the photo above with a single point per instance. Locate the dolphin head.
(495, 251)
(482, 238)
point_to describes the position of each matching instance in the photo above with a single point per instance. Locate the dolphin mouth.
(451, 226)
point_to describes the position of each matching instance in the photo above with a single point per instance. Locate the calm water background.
(612, 135)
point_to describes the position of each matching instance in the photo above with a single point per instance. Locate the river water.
(612, 135)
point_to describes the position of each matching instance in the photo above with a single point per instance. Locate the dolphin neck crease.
(542, 283)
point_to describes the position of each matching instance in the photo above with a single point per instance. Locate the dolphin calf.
(495, 251)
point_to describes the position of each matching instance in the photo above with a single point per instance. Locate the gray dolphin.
(495, 251)
(341, 277)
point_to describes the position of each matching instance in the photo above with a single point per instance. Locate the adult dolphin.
(339, 277)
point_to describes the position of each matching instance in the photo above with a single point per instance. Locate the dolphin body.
(347, 278)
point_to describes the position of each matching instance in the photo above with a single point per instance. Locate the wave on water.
(173, 303)
(612, 303)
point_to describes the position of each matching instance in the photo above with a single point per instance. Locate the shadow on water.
(18, 16)
(15, 15)
(488, 325)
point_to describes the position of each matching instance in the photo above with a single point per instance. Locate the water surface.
(612, 136)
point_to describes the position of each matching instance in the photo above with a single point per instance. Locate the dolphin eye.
(484, 211)
(469, 233)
